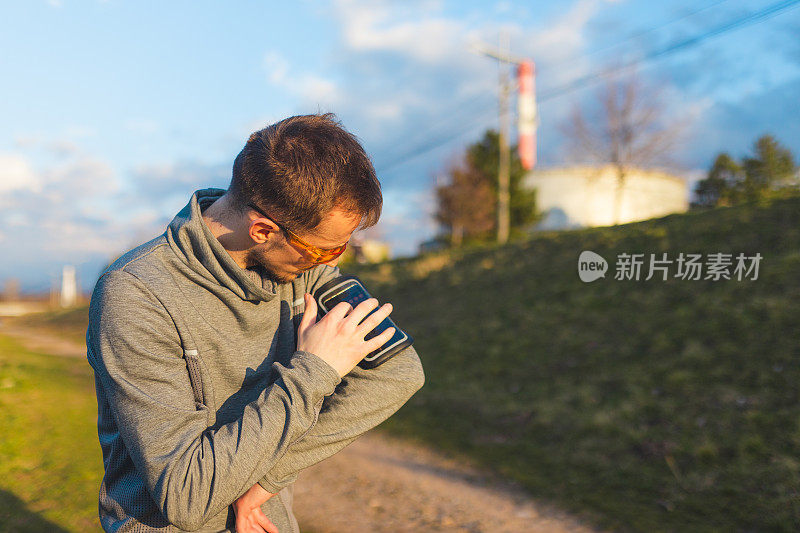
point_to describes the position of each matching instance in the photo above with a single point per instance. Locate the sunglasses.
(317, 255)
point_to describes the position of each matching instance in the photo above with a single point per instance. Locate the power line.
(648, 31)
(421, 141)
(752, 18)
(430, 145)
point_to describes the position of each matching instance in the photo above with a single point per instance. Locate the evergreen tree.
(770, 172)
(467, 204)
(772, 168)
(724, 184)
(485, 157)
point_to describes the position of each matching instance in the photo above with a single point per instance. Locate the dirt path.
(37, 340)
(380, 484)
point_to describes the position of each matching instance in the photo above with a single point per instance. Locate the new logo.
(591, 266)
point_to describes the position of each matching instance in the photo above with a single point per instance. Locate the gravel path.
(381, 484)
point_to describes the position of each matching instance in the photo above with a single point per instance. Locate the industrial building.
(574, 197)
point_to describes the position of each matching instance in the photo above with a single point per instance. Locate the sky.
(114, 112)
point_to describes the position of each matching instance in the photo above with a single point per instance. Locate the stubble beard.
(258, 258)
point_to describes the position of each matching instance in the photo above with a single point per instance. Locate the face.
(284, 262)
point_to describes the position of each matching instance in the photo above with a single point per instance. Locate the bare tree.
(625, 127)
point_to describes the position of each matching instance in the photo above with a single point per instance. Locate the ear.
(261, 229)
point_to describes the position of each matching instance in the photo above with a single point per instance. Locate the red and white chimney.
(527, 115)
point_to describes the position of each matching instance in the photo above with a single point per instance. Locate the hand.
(249, 516)
(338, 339)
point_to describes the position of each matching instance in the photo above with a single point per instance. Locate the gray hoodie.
(200, 389)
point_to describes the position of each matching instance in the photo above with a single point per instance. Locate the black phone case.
(350, 289)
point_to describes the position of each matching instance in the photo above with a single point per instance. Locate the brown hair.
(301, 168)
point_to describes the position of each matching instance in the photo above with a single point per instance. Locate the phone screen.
(350, 290)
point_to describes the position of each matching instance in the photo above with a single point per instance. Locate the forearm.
(221, 465)
(363, 399)
(194, 472)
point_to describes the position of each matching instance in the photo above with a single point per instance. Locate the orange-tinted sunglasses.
(317, 255)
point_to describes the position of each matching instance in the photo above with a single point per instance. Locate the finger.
(309, 315)
(266, 523)
(361, 310)
(372, 321)
(376, 342)
(339, 311)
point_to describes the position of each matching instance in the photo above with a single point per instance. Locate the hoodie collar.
(192, 240)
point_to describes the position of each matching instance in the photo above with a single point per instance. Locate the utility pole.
(503, 170)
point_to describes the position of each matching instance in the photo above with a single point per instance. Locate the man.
(215, 382)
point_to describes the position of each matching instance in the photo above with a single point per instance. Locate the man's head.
(302, 186)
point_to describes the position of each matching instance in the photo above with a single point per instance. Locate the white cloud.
(72, 201)
(564, 37)
(380, 111)
(27, 141)
(83, 177)
(17, 174)
(318, 89)
(15, 219)
(63, 144)
(63, 148)
(369, 27)
(312, 88)
(407, 218)
(411, 69)
(277, 67)
(159, 181)
(420, 34)
(503, 7)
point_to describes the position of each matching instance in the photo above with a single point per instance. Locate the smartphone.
(350, 289)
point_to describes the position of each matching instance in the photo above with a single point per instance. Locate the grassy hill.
(50, 460)
(643, 405)
(650, 405)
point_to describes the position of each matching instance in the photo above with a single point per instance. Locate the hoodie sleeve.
(191, 471)
(362, 400)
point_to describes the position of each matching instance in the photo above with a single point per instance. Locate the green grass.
(51, 464)
(50, 459)
(647, 406)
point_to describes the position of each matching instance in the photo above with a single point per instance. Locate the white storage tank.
(587, 196)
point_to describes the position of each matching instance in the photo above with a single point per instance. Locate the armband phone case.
(350, 289)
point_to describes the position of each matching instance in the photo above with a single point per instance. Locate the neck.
(229, 228)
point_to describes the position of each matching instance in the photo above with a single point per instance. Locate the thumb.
(309, 315)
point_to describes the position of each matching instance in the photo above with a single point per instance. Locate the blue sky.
(114, 112)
